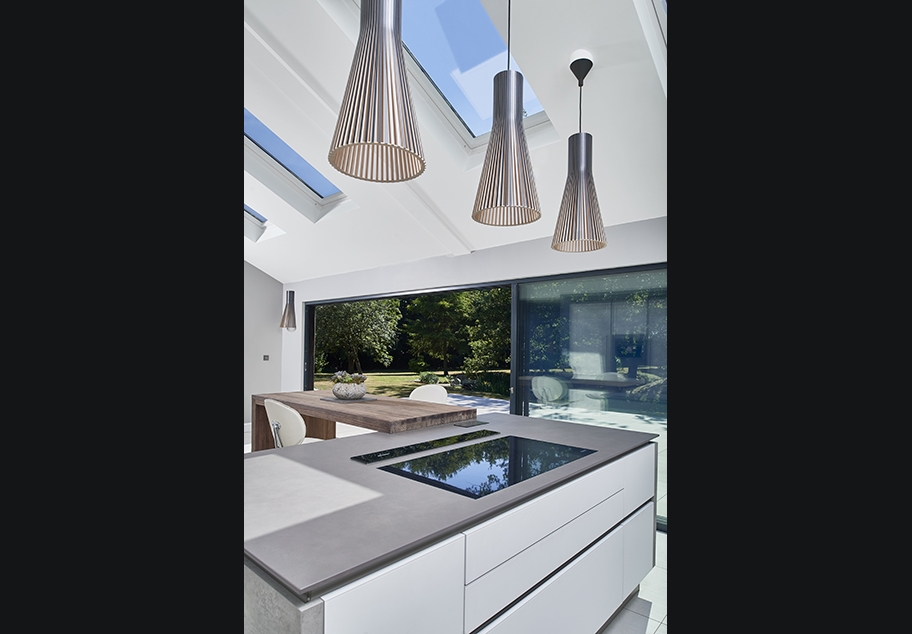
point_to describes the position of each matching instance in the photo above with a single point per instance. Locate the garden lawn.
(395, 384)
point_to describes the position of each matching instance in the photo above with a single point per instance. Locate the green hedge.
(494, 382)
(428, 377)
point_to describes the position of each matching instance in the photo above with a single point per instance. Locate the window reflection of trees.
(509, 460)
(424, 446)
(445, 465)
(593, 318)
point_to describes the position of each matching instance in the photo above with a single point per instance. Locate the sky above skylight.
(460, 49)
(287, 157)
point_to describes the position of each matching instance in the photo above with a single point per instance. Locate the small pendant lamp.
(506, 191)
(579, 223)
(376, 137)
(288, 317)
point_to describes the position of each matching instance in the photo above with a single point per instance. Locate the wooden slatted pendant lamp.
(288, 317)
(579, 223)
(506, 191)
(376, 137)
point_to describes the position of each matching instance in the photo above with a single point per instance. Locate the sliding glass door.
(593, 349)
(587, 348)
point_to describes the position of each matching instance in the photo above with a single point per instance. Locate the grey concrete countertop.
(314, 519)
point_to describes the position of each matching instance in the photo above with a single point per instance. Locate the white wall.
(630, 244)
(264, 301)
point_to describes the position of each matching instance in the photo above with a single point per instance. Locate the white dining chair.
(287, 424)
(548, 389)
(431, 393)
(552, 394)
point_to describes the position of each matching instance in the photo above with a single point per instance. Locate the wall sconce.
(506, 190)
(579, 223)
(288, 317)
(376, 137)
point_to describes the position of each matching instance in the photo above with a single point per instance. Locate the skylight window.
(255, 225)
(255, 214)
(460, 50)
(270, 143)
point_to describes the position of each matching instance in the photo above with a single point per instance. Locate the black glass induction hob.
(398, 452)
(483, 468)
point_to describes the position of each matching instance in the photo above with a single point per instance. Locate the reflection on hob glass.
(483, 468)
(397, 452)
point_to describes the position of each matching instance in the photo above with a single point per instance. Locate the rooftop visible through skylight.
(287, 157)
(459, 48)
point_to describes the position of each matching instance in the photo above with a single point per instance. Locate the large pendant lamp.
(288, 317)
(376, 137)
(506, 191)
(579, 223)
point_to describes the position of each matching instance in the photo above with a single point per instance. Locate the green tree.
(348, 329)
(487, 315)
(435, 326)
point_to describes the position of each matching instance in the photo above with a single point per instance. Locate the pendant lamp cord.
(581, 109)
(509, 15)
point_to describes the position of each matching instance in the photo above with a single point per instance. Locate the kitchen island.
(334, 545)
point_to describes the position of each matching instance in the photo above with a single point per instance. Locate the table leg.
(319, 428)
(260, 434)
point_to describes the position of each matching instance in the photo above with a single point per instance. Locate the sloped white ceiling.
(297, 55)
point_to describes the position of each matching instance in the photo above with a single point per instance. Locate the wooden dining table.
(321, 411)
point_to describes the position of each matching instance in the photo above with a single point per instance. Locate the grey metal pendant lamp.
(288, 317)
(506, 190)
(579, 222)
(376, 137)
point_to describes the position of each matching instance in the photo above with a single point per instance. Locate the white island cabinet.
(421, 593)
(576, 600)
(582, 562)
(563, 558)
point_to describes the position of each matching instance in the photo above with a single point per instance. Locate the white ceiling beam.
(656, 38)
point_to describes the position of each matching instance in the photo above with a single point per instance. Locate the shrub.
(461, 380)
(494, 382)
(417, 365)
(428, 377)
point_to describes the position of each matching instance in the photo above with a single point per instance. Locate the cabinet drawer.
(577, 600)
(420, 594)
(490, 544)
(639, 477)
(639, 546)
(488, 594)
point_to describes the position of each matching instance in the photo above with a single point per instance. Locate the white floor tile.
(652, 599)
(343, 430)
(628, 622)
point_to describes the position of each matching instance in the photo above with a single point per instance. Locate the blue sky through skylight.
(460, 49)
(286, 157)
